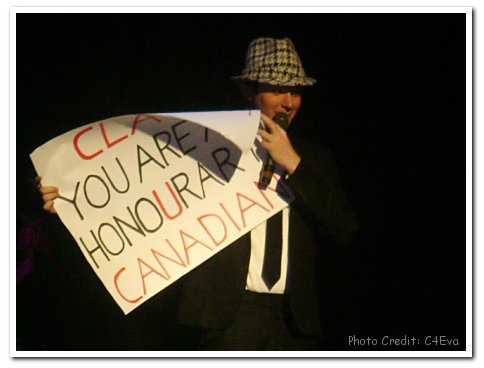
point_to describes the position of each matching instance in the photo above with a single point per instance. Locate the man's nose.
(287, 100)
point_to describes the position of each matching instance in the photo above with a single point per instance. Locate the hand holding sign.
(48, 195)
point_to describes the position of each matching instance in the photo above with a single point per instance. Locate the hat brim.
(292, 82)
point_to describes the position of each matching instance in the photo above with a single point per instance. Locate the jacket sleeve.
(320, 198)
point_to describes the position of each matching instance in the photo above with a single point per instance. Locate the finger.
(266, 136)
(49, 206)
(48, 190)
(272, 126)
(268, 123)
(266, 145)
(50, 196)
(52, 208)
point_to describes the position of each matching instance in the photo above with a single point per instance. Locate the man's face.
(272, 99)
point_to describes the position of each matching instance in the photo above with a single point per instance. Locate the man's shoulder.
(312, 151)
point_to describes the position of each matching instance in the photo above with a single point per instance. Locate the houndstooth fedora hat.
(274, 62)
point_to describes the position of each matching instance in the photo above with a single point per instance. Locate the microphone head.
(281, 119)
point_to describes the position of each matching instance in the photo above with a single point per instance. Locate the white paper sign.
(149, 197)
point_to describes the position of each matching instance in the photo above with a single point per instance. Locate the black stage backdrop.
(390, 103)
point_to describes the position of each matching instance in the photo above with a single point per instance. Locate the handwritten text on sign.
(150, 197)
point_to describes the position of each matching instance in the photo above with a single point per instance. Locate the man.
(228, 296)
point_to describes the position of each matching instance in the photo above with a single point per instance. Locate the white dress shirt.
(257, 247)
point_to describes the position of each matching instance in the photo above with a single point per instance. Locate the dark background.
(390, 103)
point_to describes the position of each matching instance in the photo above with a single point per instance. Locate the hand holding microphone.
(278, 145)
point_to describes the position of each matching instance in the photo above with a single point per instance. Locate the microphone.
(282, 120)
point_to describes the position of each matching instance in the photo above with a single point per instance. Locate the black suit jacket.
(320, 216)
